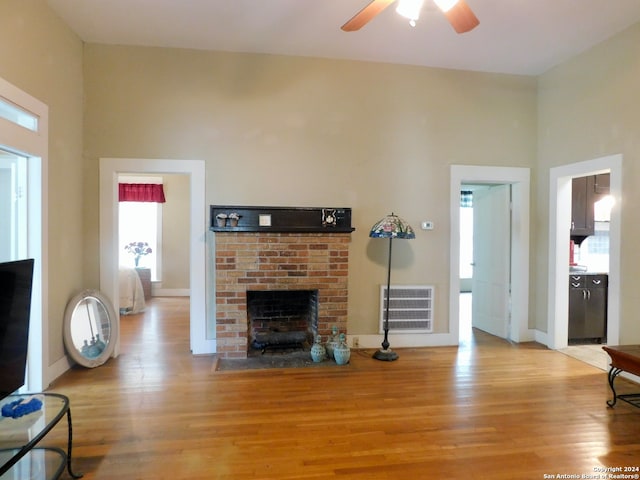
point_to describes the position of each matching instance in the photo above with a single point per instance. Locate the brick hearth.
(277, 261)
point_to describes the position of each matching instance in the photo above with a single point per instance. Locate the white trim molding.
(110, 168)
(559, 233)
(35, 146)
(519, 179)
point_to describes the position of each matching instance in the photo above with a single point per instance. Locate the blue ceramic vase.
(318, 352)
(334, 341)
(342, 353)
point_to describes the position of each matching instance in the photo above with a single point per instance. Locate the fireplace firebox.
(282, 319)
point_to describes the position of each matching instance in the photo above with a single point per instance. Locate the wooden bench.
(624, 358)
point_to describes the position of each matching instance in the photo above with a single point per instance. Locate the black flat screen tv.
(16, 282)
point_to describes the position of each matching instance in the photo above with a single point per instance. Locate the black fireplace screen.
(282, 318)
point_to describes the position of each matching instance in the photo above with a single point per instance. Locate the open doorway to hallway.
(485, 255)
(518, 244)
(201, 342)
(466, 330)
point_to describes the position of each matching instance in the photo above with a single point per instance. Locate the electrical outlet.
(356, 342)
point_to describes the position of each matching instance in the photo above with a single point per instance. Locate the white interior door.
(492, 259)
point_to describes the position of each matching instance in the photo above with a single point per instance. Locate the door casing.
(110, 168)
(556, 336)
(519, 179)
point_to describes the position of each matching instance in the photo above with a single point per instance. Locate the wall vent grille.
(410, 308)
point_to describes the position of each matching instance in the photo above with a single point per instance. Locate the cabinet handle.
(575, 285)
(573, 226)
(596, 282)
(584, 294)
(576, 277)
(588, 294)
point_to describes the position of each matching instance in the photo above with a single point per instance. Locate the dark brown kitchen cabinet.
(588, 308)
(602, 184)
(582, 213)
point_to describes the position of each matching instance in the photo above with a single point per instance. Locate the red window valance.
(141, 192)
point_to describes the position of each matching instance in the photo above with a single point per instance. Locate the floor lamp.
(389, 227)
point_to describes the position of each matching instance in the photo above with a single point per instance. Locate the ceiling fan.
(457, 12)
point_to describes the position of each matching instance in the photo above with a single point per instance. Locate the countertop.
(582, 270)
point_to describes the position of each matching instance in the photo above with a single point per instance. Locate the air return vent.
(410, 308)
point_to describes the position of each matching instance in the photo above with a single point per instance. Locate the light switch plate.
(264, 220)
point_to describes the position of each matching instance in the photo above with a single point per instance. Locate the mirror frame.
(68, 340)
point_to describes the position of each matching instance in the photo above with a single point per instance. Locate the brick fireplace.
(278, 261)
(294, 250)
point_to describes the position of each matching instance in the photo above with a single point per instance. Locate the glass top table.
(20, 456)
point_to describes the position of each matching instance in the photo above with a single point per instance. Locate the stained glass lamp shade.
(391, 226)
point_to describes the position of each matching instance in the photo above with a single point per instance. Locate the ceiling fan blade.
(365, 15)
(461, 18)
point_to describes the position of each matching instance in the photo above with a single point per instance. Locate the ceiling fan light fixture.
(410, 9)
(445, 5)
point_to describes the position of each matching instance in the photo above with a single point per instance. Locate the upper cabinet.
(585, 192)
(582, 198)
(601, 186)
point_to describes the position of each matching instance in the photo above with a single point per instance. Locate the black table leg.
(613, 373)
(70, 442)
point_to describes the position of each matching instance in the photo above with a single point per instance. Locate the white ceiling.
(514, 36)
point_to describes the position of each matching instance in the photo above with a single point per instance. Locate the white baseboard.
(541, 337)
(204, 347)
(399, 340)
(630, 376)
(57, 369)
(404, 340)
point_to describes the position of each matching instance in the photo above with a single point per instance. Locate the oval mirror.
(90, 328)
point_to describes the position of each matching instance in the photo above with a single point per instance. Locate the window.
(18, 115)
(141, 222)
(13, 206)
(24, 140)
(466, 234)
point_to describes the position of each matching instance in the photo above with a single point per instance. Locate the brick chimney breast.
(278, 248)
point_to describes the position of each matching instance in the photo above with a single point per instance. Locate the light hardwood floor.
(486, 410)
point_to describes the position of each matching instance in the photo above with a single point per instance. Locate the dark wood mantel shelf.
(282, 219)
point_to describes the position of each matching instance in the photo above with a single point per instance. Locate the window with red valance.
(141, 192)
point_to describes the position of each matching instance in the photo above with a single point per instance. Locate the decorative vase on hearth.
(334, 341)
(318, 352)
(342, 353)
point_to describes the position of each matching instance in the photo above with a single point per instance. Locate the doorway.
(518, 180)
(24, 135)
(559, 219)
(110, 168)
(485, 258)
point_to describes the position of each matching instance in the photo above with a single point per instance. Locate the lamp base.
(387, 355)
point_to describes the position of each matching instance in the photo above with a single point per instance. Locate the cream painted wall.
(589, 108)
(175, 233)
(40, 55)
(312, 132)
